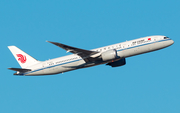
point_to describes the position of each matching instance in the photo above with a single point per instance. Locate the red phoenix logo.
(21, 58)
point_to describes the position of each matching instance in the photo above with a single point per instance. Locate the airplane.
(113, 55)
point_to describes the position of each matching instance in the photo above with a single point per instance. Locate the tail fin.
(22, 58)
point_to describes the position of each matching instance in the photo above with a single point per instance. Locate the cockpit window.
(166, 37)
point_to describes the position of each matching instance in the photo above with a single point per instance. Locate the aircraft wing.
(85, 54)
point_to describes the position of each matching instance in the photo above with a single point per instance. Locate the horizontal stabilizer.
(20, 69)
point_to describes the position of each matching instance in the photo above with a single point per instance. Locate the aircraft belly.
(40, 72)
(63, 68)
(55, 69)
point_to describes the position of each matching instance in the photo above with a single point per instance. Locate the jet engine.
(109, 55)
(120, 62)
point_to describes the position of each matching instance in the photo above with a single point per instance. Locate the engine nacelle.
(117, 63)
(109, 55)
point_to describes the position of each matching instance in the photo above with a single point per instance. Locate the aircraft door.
(43, 66)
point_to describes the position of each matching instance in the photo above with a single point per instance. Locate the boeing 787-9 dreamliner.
(113, 55)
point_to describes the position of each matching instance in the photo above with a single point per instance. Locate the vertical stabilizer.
(22, 58)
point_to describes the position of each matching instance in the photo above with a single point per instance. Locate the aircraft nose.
(172, 42)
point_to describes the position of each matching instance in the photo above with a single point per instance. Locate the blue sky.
(148, 83)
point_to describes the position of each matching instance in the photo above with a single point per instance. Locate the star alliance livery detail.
(112, 55)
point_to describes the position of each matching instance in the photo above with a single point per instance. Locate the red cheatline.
(149, 38)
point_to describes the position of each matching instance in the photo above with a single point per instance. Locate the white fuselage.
(124, 50)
